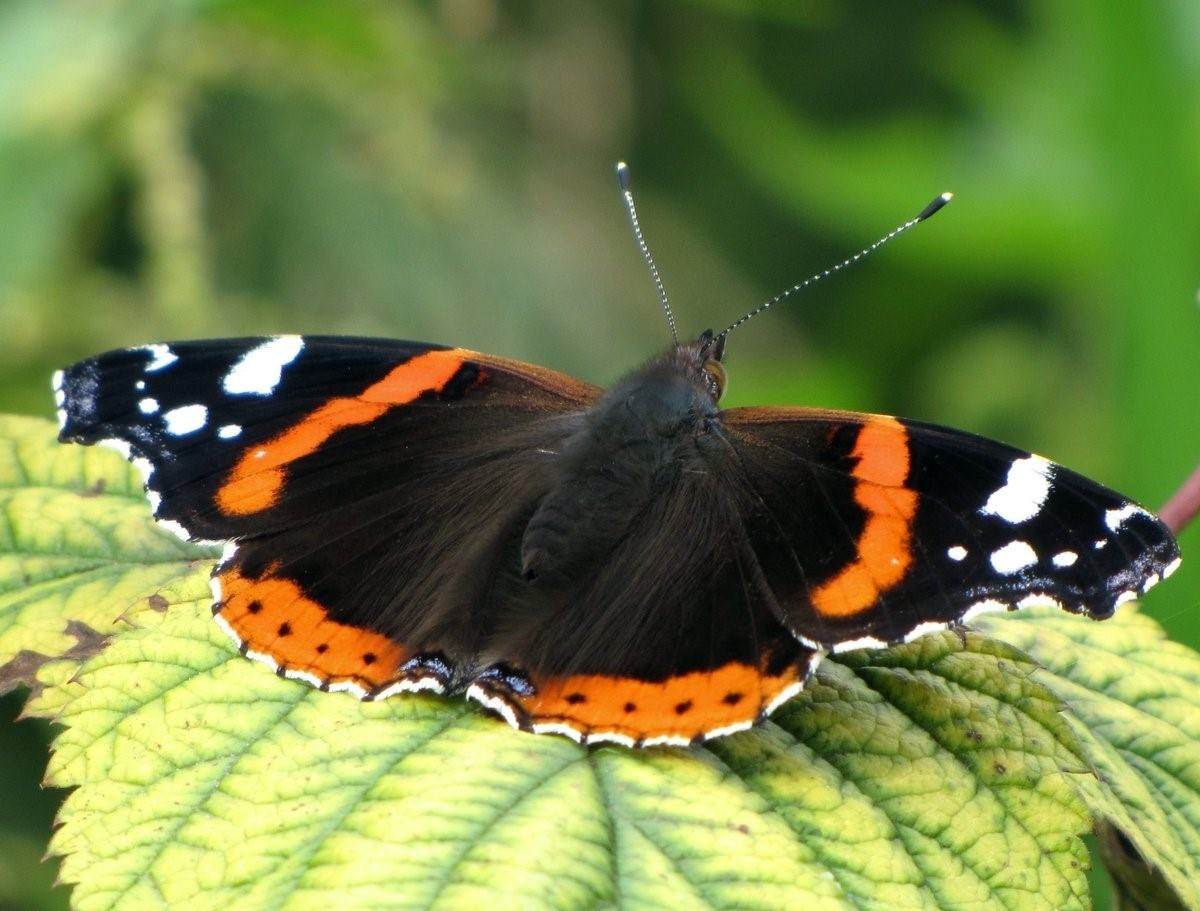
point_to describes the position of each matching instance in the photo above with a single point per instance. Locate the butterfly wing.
(670, 638)
(873, 530)
(363, 486)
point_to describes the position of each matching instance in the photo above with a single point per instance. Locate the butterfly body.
(635, 566)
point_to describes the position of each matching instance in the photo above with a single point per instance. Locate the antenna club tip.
(934, 206)
(623, 175)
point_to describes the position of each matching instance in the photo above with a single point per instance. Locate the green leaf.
(78, 558)
(926, 776)
(1134, 700)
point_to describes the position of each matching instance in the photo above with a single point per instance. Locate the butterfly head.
(709, 349)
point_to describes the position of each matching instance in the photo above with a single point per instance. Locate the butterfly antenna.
(627, 195)
(925, 213)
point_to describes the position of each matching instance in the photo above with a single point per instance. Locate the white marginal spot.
(1024, 491)
(667, 740)
(175, 528)
(426, 684)
(1064, 559)
(786, 693)
(499, 706)
(728, 729)
(851, 644)
(227, 553)
(1169, 569)
(1115, 518)
(56, 381)
(922, 629)
(1013, 557)
(1124, 598)
(342, 686)
(554, 727)
(140, 385)
(119, 446)
(1039, 599)
(1151, 581)
(305, 677)
(185, 419)
(1101, 544)
(148, 406)
(263, 658)
(229, 631)
(609, 737)
(957, 553)
(258, 371)
(160, 356)
(61, 414)
(214, 586)
(144, 467)
(989, 606)
(229, 431)
(155, 499)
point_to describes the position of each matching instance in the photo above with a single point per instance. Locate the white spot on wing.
(119, 445)
(667, 740)
(851, 644)
(957, 553)
(229, 431)
(1039, 599)
(1151, 581)
(1025, 490)
(1013, 557)
(554, 727)
(175, 528)
(1170, 568)
(185, 419)
(727, 729)
(1115, 518)
(787, 693)
(1065, 558)
(1125, 598)
(259, 369)
(160, 356)
(426, 684)
(922, 629)
(988, 606)
(499, 706)
(148, 406)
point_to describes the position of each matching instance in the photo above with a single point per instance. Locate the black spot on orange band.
(684, 707)
(273, 616)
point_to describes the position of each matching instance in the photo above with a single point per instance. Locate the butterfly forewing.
(872, 529)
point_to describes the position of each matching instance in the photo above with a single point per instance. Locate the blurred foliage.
(442, 170)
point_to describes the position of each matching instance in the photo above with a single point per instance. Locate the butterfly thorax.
(637, 437)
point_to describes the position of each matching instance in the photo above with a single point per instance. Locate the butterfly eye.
(715, 372)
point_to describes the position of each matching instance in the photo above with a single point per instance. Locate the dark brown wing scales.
(927, 527)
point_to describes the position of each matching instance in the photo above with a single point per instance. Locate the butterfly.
(634, 565)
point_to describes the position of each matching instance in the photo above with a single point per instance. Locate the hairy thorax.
(656, 424)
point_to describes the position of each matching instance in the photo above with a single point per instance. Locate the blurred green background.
(444, 171)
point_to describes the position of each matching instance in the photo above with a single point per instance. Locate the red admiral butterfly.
(636, 566)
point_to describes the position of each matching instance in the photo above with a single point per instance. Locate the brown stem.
(1183, 505)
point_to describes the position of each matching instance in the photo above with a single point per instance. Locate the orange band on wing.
(273, 617)
(884, 552)
(257, 479)
(681, 707)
